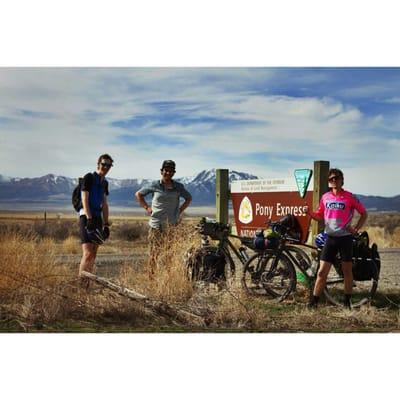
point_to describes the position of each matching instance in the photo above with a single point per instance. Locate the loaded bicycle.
(215, 262)
(272, 271)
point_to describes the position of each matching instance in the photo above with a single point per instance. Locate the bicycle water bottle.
(301, 277)
(305, 267)
(243, 253)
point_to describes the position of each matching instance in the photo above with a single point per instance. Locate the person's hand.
(90, 226)
(149, 211)
(352, 230)
(106, 232)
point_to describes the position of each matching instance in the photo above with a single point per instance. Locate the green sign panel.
(303, 177)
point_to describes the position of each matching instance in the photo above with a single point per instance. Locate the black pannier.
(260, 242)
(207, 264)
(366, 260)
(210, 227)
(288, 225)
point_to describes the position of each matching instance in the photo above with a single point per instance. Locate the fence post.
(222, 195)
(321, 169)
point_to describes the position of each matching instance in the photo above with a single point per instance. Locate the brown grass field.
(40, 291)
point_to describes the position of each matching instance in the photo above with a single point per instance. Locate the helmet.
(320, 239)
(95, 236)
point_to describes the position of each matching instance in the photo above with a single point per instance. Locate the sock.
(347, 298)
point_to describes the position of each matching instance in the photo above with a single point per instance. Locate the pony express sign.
(255, 202)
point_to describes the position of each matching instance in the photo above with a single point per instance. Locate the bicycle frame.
(227, 246)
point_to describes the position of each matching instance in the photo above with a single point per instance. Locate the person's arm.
(85, 204)
(360, 223)
(85, 189)
(106, 211)
(188, 199)
(317, 215)
(184, 206)
(363, 215)
(140, 197)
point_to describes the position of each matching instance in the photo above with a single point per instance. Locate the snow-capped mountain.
(56, 188)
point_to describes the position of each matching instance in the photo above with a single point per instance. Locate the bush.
(52, 229)
(56, 229)
(129, 231)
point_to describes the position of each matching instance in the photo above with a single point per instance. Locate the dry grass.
(71, 245)
(129, 231)
(384, 229)
(167, 278)
(36, 292)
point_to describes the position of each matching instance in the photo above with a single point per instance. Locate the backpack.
(76, 196)
(366, 260)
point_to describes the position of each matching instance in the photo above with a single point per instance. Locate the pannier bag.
(207, 264)
(264, 240)
(212, 228)
(366, 260)
(289, 225)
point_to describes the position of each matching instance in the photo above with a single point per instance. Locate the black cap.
(168, 164)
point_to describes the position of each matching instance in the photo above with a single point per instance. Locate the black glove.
(90, 226)
(106, 232)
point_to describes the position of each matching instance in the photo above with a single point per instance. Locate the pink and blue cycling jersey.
(338, 211)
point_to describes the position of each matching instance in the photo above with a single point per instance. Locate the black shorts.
(335, 245)
(98, 222)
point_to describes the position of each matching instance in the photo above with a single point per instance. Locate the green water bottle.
(301, 277)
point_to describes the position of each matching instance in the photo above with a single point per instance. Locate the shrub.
(129, 231)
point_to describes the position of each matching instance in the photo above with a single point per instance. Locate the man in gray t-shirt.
(165, 206)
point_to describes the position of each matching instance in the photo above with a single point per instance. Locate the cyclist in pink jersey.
(336, 208)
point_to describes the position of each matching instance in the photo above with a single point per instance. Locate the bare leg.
(322, 276)
(89, 251)
(347, 268)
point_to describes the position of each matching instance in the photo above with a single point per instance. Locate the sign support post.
(321, 170)
(222, 195)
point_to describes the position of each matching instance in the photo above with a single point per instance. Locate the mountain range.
(57, 190)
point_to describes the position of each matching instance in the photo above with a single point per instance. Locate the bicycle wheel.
(280, 279)
(268, 274)
(300, 254)
(362, 293)
(255, 266)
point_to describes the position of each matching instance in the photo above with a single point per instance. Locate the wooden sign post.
(321, 170)
(222, 195)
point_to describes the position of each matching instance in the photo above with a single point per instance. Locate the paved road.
(390, 269)
(111, 264)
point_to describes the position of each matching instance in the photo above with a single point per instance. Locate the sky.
(264, 121)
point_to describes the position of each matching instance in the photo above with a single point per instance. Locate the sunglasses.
(171, 171)
(334, 178)
(106, 165)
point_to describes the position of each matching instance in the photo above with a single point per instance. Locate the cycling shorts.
(337, 244)
(98, 222)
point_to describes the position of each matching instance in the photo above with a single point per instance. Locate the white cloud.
(79, 105)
